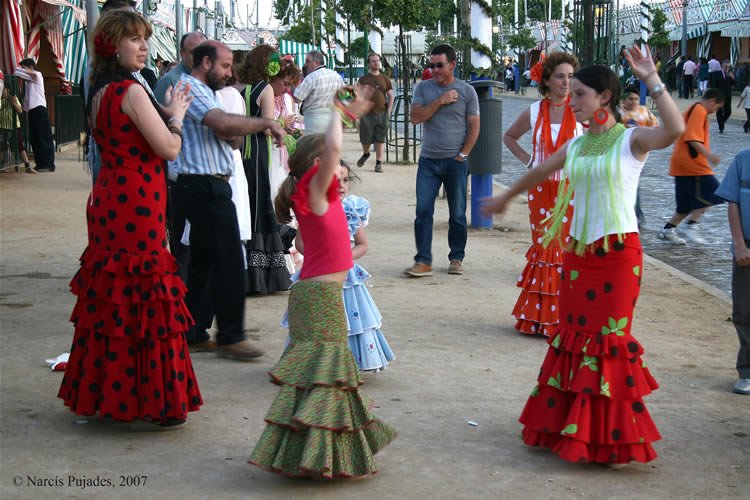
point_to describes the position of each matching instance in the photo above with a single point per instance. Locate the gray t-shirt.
(444, 134)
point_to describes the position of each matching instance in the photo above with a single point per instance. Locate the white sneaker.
(670, 235)
(742, 386)
(693, 233)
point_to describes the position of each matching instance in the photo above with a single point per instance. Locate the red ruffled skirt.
(537, 308)
(588, 403)
(129, 359)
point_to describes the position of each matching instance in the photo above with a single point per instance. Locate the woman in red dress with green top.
(553, 124)
(588, 404)
(129, 360)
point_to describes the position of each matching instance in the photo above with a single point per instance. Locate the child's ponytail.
(309, 147)
(283, 202)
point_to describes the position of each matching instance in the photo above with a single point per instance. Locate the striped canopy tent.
(11, 36)
(45, 19)
(299, 51)
(74, 42)
(163, 43)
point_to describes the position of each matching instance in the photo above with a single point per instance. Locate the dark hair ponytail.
(601, 78)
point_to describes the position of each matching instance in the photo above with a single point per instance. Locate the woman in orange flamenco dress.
(553, 125)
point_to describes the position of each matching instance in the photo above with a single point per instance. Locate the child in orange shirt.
(694, 179)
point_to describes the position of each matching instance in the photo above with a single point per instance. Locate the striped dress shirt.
(203, 153)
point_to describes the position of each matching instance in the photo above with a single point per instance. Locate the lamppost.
(683, 42)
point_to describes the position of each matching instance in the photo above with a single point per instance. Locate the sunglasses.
(438, 65)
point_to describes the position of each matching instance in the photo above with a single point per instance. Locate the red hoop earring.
(601, 116)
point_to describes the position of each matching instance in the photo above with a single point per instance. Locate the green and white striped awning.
(74, 43)
(693, 31)
(163, 43)
(299, 51)
(737, 29)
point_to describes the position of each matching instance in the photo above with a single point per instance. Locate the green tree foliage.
(659, 36)
(300, 29)
(522, 40)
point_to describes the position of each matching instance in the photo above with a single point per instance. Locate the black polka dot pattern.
(128, 289)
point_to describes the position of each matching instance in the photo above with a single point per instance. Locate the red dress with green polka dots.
(129, 359)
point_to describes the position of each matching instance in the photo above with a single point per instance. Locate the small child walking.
(366, 341)
(319, 425)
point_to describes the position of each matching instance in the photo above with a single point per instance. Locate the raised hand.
(178, 101)
(641, 63)
(495, 205)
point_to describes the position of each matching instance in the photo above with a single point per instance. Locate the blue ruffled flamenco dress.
(366, 341)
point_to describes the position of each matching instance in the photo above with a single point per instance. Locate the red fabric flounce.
(301, 196)
(537, 306)
(123, 295)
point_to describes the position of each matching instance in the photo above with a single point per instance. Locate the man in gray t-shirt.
(448, 110)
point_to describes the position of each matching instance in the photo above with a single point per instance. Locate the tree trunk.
(588, 32)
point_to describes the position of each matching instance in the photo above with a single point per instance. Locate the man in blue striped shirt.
(216, 274)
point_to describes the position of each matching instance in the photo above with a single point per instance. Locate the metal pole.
(92, 14)
(312, 20)
(683, 44)
(178, 24)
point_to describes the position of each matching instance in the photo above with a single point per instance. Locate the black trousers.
(723, 114)
(687, 86)
(215, 282)
(40, 136)
(746, 125)
(175, 227)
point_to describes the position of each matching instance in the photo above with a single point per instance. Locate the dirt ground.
(458, 359)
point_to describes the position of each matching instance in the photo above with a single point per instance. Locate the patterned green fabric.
(319, 425)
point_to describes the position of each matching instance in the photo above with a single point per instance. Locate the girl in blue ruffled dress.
(366, 341)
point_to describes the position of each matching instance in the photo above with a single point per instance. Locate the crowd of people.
(204, 186)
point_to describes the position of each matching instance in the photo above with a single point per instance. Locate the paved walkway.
(459, 359)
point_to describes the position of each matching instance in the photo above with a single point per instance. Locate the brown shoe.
(455, 267)
(205, 346)
(244, 350)
(419, 270)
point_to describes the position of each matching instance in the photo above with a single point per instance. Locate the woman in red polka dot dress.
(553, 124)
(588, 404)
(129, 360)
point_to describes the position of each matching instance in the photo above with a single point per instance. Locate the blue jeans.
(430, 175)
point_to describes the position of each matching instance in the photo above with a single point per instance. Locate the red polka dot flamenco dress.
(129, 359)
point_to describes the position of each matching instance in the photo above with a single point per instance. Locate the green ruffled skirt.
(319, 425)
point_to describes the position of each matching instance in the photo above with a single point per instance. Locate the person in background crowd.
(316, 92)
(688, 77)
(745, 98)
(694, 180)
(35, 104)
(448, 109)
(725, 84)
(188, 42)
(679, 77)
(714, 72)
(702, 76)
(266, 264)
(373, 126)
(552, 124)
(10, 127)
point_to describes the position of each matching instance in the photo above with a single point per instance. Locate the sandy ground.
(459, 359)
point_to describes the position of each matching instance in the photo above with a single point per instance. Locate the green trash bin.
(486, 158)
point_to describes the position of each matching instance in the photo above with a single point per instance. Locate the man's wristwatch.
(463, 156)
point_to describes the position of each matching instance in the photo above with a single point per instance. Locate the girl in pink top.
(318, 402)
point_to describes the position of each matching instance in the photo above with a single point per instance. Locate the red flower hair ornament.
(103, 46)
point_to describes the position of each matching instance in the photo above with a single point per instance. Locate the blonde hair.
(116, 25)
(309, 147)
